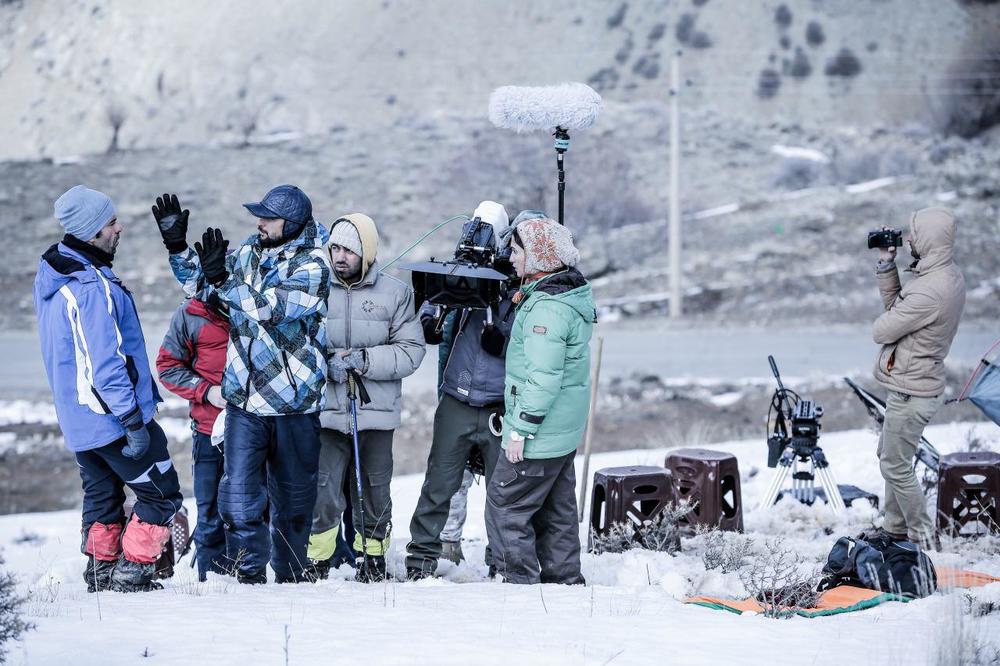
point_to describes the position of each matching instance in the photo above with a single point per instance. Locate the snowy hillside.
(629, 613)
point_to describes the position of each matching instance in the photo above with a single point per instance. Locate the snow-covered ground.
(630, 612)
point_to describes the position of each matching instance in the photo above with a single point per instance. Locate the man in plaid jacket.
(276, 286)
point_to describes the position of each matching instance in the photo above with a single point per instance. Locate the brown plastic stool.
(968, 491)
(710, 480)
(628, 494)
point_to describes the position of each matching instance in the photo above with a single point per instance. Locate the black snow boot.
(370, 569)
(97, 575)
(259, 578)
(416, 573)
(319, 569)
(129, 576)
(308, 575)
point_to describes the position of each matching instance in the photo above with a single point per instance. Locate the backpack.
(899, 567)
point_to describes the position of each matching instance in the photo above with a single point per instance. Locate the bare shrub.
(726, 551)
(779, 581)
(662, 533)
(768, 83)
(815, 34)
(844, 64)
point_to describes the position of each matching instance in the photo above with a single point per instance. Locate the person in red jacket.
(190, 364)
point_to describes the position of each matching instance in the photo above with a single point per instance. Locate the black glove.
(432, 335)
(137, 437)
(212, 253)
(493, 341)
(172, 221)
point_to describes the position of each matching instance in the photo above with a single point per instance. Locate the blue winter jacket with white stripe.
(93, 348)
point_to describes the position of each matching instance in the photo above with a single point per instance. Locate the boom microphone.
(568, 106)
(571, 106)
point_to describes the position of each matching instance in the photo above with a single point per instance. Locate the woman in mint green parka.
(531, 513)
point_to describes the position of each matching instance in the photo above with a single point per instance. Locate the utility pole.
(675, 187)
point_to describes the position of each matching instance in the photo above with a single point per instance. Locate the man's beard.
(267, 241)
(347, 277)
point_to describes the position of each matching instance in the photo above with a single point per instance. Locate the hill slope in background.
(231, 70)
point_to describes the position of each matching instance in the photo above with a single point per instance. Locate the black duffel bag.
(899, 567)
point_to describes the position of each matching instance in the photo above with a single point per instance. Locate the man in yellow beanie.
(372, 330)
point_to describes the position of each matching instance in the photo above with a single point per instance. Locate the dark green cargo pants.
(458, 428)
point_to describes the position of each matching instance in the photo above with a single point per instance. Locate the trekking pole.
(354, 386)
(588, 437)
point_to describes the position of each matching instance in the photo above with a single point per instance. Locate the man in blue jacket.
(105, 398)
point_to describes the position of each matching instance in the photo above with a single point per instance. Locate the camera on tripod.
(793, 444)
(470, 280)
(885, 238)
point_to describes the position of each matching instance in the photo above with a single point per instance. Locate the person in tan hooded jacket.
(373, 329)
(915, 331)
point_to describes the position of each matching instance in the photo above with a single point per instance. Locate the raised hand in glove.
(136, 436)
(212, 253)
(172, 221)
(343, 362)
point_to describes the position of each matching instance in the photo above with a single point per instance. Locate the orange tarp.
(846, 598)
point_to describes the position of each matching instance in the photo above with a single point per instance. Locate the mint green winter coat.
(547, 388)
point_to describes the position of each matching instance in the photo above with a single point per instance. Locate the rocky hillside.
(82, 76)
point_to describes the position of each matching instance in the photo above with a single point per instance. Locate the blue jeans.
(269, 459)
(209, 534)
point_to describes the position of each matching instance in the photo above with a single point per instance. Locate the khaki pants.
(905, 506)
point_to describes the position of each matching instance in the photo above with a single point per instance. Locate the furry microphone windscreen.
(572, 106)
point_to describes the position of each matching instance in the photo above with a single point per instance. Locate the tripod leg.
(832, 491)
(777, 481)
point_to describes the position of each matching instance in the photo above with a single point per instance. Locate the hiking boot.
(129, 576)
(319, 569)
(252, 578)
(452, 551)
(97, 575)
(880, 534)
(370, 569)
(416, 573)
(307, 576)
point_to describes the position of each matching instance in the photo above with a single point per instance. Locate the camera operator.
(470, 380)
(915, 331)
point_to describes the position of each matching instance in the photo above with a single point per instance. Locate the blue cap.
(83, 212)
(286, 202)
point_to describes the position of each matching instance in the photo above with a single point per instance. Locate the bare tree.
(116, 116)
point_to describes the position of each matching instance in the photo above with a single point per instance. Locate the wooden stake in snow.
(588, 436)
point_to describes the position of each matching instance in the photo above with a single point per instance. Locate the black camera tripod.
(798, 451)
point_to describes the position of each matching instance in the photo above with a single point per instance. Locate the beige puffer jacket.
(921, 318)
(376, 314)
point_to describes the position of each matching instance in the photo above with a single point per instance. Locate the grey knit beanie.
(346, 236)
